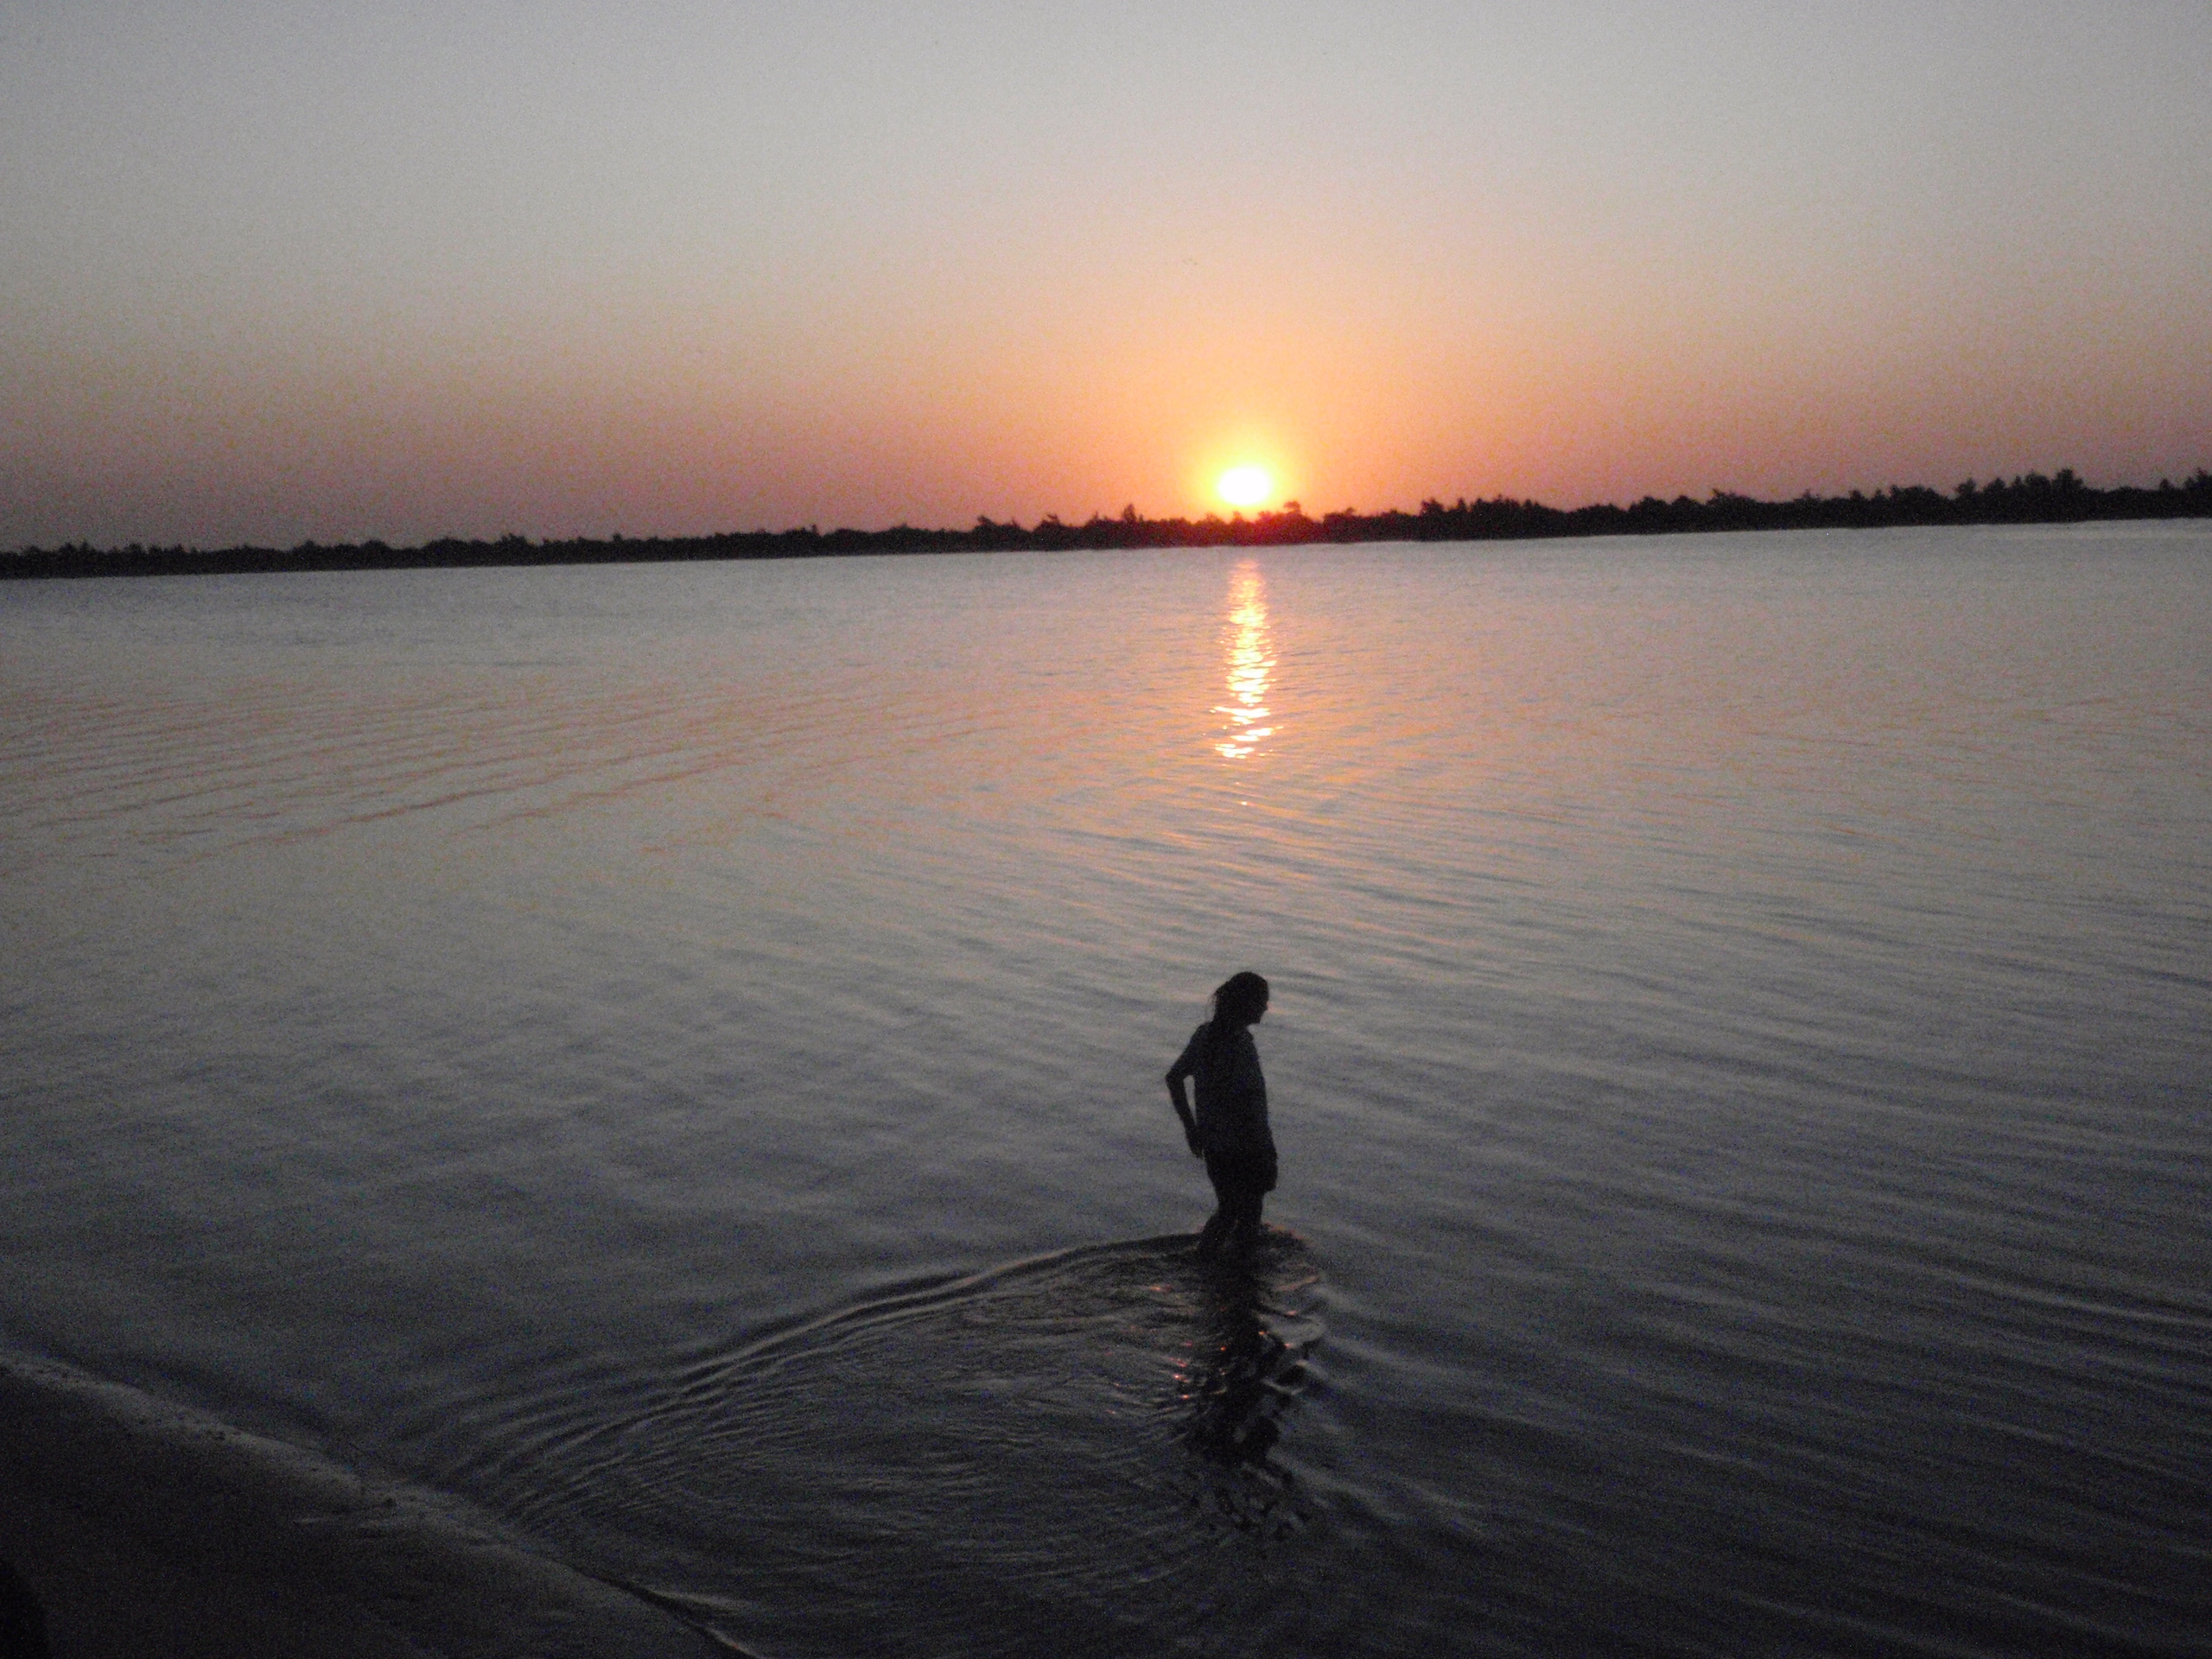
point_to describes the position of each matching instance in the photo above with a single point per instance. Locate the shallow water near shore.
(669, 1058)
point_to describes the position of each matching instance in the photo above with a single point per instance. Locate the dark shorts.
(1241, 1172)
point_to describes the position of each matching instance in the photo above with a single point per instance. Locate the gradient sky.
(270, 271)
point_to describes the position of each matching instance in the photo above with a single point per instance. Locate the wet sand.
(148, 1530)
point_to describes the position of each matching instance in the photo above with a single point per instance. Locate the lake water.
(667, 1059)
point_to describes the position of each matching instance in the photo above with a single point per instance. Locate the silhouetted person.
(1230, 1128)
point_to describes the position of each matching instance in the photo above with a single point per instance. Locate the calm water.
(670, 1056)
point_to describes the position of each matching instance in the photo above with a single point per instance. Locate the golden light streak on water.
(1249, 649)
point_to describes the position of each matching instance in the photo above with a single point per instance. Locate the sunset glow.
(438, 276)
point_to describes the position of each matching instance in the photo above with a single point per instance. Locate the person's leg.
(1237, 1190)
(1216, 1228)
(1240, 1187)
(1210, 1235)
(1244, 1229)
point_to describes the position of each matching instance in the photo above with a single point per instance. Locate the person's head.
(1240, 999)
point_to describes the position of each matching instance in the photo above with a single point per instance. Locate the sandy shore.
(146, 1529)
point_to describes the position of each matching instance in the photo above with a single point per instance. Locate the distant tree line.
(2031, 498)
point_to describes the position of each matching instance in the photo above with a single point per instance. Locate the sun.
(1245, 487)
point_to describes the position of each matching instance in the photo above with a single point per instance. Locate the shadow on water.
(1082, 1453)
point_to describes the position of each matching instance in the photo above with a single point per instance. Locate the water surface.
(670, 1056)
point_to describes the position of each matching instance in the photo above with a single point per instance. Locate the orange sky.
(275, 272)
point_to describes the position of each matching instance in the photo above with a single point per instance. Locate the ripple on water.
(1074, 1453)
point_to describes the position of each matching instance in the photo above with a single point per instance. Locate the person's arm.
(1176, 1074)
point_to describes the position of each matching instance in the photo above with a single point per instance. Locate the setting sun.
(1245, 487)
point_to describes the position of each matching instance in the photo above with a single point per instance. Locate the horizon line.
(2028, 498)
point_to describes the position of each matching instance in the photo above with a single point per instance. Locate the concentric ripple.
(1040, 1457)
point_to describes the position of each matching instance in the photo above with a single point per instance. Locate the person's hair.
(1239, 1000)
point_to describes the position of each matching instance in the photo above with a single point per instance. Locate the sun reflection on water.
(1250, 649)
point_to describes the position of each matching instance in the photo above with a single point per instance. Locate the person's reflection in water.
(1242, 1376)
(1230, 1128)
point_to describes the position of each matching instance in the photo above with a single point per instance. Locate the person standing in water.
(1230, 1128)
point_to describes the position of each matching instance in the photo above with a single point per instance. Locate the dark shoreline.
(141, 1526)
(2032, 499)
